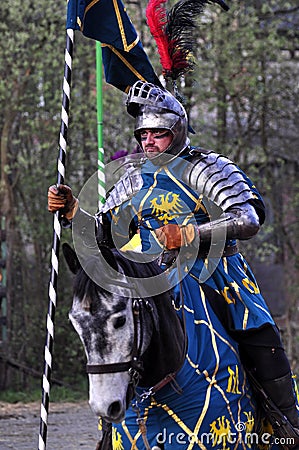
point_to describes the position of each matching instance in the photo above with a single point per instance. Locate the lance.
(46, 381)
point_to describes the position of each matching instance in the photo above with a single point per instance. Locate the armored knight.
(190, 206)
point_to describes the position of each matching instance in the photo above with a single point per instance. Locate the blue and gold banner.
(75, 14)
(107, 21)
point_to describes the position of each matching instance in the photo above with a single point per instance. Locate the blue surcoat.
(215, 408)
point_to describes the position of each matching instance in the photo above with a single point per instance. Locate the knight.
(189, 206)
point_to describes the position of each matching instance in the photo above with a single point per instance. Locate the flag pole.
(56, 242)
(104, 427)
(99, 86)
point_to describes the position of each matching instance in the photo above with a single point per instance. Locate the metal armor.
(154, 107)
(126, 187)
(221, 181)
(216, 178)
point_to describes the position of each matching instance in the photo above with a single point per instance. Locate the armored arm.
(223, 183)
(239, 222)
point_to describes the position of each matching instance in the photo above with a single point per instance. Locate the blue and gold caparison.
(215, 409)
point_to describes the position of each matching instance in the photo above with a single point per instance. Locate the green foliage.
(58, 394)
(14, 396)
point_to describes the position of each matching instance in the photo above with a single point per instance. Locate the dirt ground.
(71, 426)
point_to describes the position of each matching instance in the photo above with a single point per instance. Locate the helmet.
(154, 107)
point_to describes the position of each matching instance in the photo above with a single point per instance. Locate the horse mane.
(95, 269)
(83, 285)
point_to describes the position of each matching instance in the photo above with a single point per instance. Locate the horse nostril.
(114, 409)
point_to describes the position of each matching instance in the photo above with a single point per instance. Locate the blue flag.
(107, 21)
(75, 14)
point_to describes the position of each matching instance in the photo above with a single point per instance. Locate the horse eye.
(119, 322)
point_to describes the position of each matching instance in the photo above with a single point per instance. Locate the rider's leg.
(264, 351)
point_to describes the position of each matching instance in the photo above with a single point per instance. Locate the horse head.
(129, 338)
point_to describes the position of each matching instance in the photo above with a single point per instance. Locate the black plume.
(182, 20)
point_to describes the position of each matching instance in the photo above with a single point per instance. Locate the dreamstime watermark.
(166, 205)
(249, 438)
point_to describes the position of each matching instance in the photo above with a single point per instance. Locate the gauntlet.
(174, 236)
(60, 198)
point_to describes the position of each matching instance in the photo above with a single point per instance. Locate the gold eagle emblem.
(117, 443)
(166, 207)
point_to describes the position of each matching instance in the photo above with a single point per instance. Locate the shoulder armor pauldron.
(217, 178)
(125, 188)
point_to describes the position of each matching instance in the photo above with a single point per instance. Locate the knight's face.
(155, 141)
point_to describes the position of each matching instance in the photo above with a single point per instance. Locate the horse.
(144, 359)
(128, 340)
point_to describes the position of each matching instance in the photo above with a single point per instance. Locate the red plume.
(157, 19)
(174, 34)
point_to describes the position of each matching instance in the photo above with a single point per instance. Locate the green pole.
(101, 166)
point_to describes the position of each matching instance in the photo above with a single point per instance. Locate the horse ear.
(109, 256)
(71, 258)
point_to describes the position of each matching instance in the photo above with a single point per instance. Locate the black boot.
(281, 392)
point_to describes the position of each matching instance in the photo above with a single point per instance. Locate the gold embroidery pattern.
(117, 442)
(221, 433)
(233, 381)
(228, 298)
(249, 428)
(251, 286)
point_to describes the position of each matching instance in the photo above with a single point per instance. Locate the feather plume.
(174, 33)
(156, 19)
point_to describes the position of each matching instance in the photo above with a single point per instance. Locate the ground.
(71, 426)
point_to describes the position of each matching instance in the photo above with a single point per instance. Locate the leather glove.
(173, 236)
(61, 199)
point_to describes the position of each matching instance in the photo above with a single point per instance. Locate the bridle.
(135, 366)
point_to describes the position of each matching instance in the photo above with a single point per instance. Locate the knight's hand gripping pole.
(61, 198)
